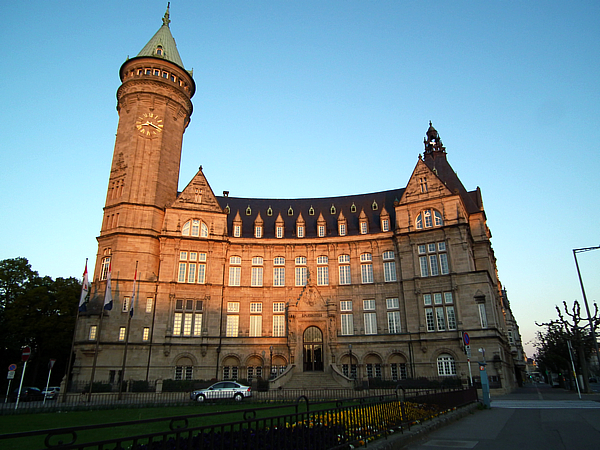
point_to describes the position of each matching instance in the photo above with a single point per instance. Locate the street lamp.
(350, 365)
(587, 308)
(271, 363)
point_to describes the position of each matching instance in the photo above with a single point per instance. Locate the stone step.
(312, 380)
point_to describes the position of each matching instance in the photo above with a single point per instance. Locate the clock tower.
(154, 105)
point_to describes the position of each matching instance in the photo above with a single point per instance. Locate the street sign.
(468, 350)
(11, 375)
(12, 367)
(51, 365)
(466, 338)
(25, 354)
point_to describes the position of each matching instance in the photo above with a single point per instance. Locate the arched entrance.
(313, 349)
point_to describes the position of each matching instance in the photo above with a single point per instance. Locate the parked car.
(28, 394)
(222, 390)
(593, 380)
(52, 392)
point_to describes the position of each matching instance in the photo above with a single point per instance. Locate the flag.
(108, 301)
(133, 295)
(84, 290)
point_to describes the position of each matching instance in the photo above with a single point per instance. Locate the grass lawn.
(216, 414)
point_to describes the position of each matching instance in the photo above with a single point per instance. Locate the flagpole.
(106, 306)
(84, 294)
(127, 334)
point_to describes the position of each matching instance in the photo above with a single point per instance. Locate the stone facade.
(378, 285)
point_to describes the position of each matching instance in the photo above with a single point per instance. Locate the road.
(531, 418)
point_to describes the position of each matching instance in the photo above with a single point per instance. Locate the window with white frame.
(184, 372)
(235, 270)
(278, 307)
(301, 271)
(233, 325)
(398, 371)
(194, 228)
(446, 365)
(389, 266)
(370, 322)
(279, 231)
(482, 316)
(255, 326)
(321, 230)
(146, 334)
(342, 228)
(122, 333)
(149, 303)
(366, 268)
(278, 325)
(364, 227)
(385, 225)
(104, 267)
(393, 315)
(300, 231)
(126, 304)
(258, 231)
(428, 219)
(257, 271)
(322, 271)
(279, 271)
(344, 268)
(192, 267)
(347, 321)
(433, 259)
(92, 333)
(237, 230)
(439, 311)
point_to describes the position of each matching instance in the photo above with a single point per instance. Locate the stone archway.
(313, 349)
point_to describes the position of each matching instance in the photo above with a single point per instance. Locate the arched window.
(428, 219)
(194, 228)
(446, 365)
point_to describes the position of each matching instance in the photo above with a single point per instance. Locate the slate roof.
(344, 204)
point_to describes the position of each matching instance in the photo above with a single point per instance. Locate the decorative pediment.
(198, 195)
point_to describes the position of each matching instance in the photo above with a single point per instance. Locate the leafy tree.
(39, 312)
(553, 351)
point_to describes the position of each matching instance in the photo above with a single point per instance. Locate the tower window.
(159, 51)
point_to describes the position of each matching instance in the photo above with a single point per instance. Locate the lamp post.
(587, 308)
(350, 365)
(271, 361)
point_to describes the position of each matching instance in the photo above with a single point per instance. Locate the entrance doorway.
(313, 349)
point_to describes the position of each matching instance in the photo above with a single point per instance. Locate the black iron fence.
(299, 425)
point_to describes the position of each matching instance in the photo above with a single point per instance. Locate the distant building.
(314, 291)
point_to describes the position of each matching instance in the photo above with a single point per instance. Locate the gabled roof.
(164, 39)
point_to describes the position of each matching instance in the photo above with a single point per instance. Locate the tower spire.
(166, 20)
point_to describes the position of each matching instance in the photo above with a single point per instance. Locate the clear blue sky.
(320, 98)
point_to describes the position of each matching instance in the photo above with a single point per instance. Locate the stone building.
(313, 291)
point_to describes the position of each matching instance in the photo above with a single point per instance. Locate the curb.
(400, 440)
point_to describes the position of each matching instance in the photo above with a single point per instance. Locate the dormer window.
(353, 208)
(270, 211)
(428, 219)
(159, 51)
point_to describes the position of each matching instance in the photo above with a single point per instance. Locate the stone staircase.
(311, 380)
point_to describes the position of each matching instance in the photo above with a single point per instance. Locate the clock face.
(149, 124)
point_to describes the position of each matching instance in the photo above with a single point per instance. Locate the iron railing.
(301, 425)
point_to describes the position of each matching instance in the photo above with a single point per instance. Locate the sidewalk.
(533, 417)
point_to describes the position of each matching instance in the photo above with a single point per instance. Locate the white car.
(52, 392)
(222, 390)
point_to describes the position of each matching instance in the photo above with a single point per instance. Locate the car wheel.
(238, 397)
(200, 398)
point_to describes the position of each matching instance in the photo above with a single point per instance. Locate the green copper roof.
(163, 39)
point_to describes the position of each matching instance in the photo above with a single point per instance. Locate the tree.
(553, 352)
(39, 312)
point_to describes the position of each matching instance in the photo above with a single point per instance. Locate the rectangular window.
(125, 307)
(393, 322)
(256, 307)
(177, 319)
(232, 328)
(300, 276)
(149, 302)
(370, 323)
(363, 228)
(322, 275)
(92, 333)
(366, 273)
(437, 261)
(389, 271)
(182, 271)
(369, 305)
(342, 229)
(444, 264)
(122, 332)
(258, 232)
(429, 319)
(257, 276)
(237, 231)
(451, 317)
(146, 334)
(345, 275)
(437, 298)
(385, 225)
(234, 276)
(197, 324)
(392, 303)
(346, 305)
(255, 326)
(321, 230)
(448, 298)
(300, 231)
(192, 273)
(279, 276)
(279, 232)
(187, 324)
(201, 273)
(278, 325)
(483, 316)
(347, 324)
(427, 299)
(424, 266)
(433, 263)
(441, 321)
(278, 307)
(233, 307)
